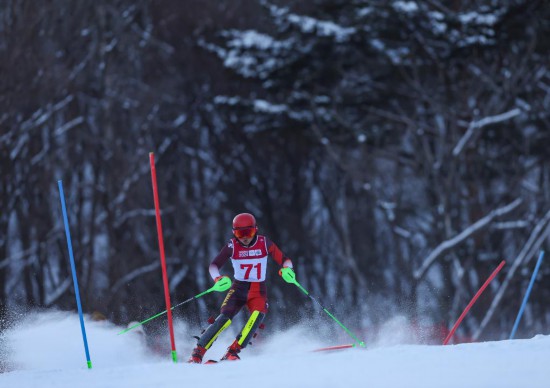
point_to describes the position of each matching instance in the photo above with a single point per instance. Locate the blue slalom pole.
(516, 324)
(73, 268)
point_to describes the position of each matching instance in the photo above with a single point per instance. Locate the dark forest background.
(397, 151)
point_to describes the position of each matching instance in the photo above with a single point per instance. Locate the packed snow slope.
(46, 350)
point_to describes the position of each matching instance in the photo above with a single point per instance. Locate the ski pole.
(290, 277)
(222, 285)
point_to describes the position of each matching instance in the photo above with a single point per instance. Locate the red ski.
(337, 347)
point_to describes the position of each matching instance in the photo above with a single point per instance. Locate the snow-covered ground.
(46, 350)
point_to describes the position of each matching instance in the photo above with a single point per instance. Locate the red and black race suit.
(249, 265)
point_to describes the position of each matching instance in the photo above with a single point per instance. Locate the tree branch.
(535, 241)
(448, 244)
(475, 125)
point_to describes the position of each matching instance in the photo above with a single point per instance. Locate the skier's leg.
(221, 323)
(206, 340)
(244, 337)
(249, 330)
(257, 304)
(233, 302)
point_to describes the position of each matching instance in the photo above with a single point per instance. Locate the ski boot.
(232, 352)
(196, 356)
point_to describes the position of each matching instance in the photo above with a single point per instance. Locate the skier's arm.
(219, 261)
(278, 255)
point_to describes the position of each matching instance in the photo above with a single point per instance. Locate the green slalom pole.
(290, 277)
(220, 286)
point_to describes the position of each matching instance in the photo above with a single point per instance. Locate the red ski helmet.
(244, 225)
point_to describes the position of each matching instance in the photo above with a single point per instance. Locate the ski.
(337, 347)
(215, 362)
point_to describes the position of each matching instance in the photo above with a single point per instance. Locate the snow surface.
(46, 350)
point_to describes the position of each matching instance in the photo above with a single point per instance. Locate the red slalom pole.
(480, 291)
(162, 257)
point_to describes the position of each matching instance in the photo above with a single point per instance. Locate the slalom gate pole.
(219, 286)
(162, 257)
(357, 340)
(73, 269)
(520, 313)
(479, 292)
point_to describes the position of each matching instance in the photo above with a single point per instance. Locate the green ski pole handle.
(221, 285)
(289, 276)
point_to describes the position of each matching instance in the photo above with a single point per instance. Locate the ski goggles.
(247, 232)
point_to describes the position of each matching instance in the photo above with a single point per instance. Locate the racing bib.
(250, 263)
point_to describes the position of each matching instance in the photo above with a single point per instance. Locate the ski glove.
(288, 274)
(222, 283)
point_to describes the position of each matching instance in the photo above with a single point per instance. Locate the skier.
(248, 252)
